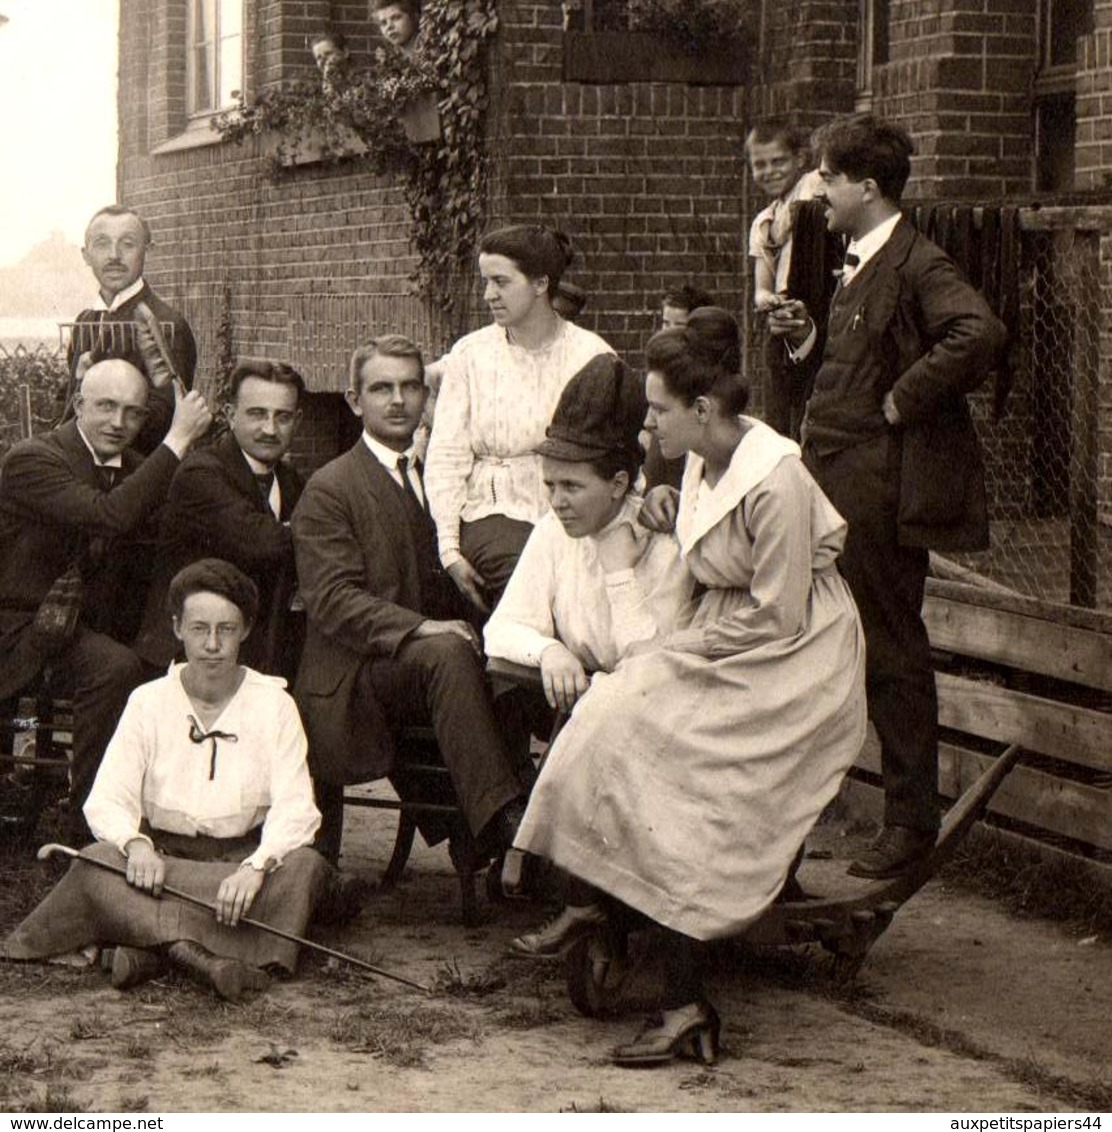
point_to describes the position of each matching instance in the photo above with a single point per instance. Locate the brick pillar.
(1093, 148)
(959, 80)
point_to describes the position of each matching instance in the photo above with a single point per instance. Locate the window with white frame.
(214, 55)
(872, 46)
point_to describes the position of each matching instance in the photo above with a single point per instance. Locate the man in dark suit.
(74, 496)
(387, 643)
(888, 435)
(234, 501)
(116, 243)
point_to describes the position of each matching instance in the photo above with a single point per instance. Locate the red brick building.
(636, 152)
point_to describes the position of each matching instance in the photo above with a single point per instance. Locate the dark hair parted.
(389, 346)
(214, 576)
(609, 465)
(701, 359)
(535, 249)
(276, 372)
(687, 297)
(863, 146)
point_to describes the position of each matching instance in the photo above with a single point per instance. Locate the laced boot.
(228, 977)
(130, 966)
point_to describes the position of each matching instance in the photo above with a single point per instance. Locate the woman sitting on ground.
(500, 386)
(684, 783)
(207, 767)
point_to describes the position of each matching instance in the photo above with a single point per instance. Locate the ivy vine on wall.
(444, 180)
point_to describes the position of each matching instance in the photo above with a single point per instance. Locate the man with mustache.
(387, 642)
(116, 243)
(233, 501)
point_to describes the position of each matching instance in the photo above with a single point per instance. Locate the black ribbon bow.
(196, 735)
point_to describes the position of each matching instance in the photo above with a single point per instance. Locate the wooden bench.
(36, 749)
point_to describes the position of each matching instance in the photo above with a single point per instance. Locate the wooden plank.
(1073, 734)
(1069, 809)
(1009, 601)
(1033, 644)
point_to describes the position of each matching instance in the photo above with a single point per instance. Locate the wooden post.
(1084, 446)
(24, 411)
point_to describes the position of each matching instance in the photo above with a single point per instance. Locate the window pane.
(202, 22)
(231, 69)
(231, 17)
(1065, 21)
(1055, 120)
(201, 89)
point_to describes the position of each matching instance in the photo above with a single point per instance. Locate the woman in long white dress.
(686, 780)
(501, 384)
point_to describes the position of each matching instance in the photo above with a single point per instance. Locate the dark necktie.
(852, 259)
(196, 735)
(407, 483)
(108, 476)
(265, 480)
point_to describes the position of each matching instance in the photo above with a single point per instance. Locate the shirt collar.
(873, 241)
(257, 466)
(387, 457)
(116, 461)
(120, 297)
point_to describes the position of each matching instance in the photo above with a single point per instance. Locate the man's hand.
(470, 583)
(620, 548)
(192, 418)
(659, 510)
(563, 677)
(145, 868)
(237, 893)
(455, 628)
(790, 320)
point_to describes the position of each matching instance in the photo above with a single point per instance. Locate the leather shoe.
(895, 849)
(689, 1030)
(558, 936)
(130, 966)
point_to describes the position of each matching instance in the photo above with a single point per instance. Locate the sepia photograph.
(556, 557)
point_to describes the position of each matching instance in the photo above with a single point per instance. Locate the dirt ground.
(959, 1007)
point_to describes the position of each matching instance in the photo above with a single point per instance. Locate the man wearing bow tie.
(234, 501)
(116, 243)
(387, 643)
(79, 496)
(888, 435)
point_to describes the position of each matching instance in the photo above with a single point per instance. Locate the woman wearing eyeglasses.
(203, 787)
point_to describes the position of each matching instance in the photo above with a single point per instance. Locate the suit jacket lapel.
(242, 475)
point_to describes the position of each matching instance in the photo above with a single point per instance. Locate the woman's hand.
(145, 868)
(620, 548)
(563, 677)
(658, 513)
(237, 893)
(469, 582)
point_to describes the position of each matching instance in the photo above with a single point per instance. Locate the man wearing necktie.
(116, 243)
(233, 501)
(888, 436)
(388, 643)
(58, 509)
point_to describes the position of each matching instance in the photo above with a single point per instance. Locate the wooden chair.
(36, 749)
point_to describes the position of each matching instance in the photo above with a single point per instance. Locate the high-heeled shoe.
(557, 937)
(691, 1030)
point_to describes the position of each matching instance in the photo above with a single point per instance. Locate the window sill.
(626, 57)
(200, 132)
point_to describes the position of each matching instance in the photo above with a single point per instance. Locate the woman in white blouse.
(207, 767)
(500, 387)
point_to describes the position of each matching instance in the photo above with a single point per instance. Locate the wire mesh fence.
(1048, 459)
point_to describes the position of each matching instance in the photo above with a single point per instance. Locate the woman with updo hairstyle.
(683, 785)
(500, 387)
(203, 787)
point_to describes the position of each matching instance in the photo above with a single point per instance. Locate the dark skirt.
(92, 906)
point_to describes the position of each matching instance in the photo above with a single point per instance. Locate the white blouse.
(495, 402)
(559, 592)
(249, 770)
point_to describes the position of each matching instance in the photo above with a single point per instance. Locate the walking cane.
(54, 850)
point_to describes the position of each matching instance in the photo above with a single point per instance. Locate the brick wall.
(1093, 146)
(959, 78)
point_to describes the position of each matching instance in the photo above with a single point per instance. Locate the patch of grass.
(400, 1036)
(55, 1098)
(453, 983)
(133, 1102)
(213, 1070)
(1029, 886)
(602, 1105)
(136, 1048)
(88, 1027)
